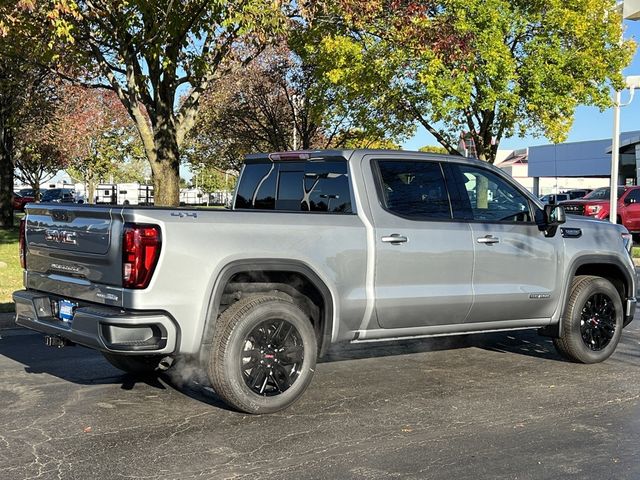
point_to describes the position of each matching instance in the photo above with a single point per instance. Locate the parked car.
(58, 195)
(596, 205)
(29, 192)
(322, 247)
(20, 201)
(556, 197)
(578, 193)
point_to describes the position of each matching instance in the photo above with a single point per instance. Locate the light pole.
(630, 10)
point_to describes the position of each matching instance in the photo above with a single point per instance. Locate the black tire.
(281, 373)
(134, 364)
(591, 324)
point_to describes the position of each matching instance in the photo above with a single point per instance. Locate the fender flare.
(267, 264)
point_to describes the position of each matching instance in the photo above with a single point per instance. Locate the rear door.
(75, 251)
(424, 259)
(516, 267)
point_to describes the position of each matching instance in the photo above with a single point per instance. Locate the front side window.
(485, 196)
(414, 189)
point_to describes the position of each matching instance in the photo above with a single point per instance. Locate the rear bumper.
(109, 329)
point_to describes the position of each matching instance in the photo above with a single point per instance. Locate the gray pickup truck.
(322, 247)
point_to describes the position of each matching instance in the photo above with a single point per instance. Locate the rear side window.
(414, 189)
(296, 186)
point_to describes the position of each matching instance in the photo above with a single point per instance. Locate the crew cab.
(321, 247)
(596, 205)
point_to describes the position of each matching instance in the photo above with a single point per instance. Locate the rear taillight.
(22, 241)
(140, 252)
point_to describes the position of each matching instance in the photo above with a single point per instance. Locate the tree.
(99, 139)
(487, 68)
(21, 86)
(148, 52)
(433, 149)
(276, 104)
(209, 178)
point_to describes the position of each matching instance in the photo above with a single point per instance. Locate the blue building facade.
(587, 159)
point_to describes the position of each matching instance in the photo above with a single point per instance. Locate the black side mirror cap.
(549, 218)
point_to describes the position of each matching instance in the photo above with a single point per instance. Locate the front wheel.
(263, 354)
(592, 321)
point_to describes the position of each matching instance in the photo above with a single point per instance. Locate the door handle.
(394, 239)
(488, 239)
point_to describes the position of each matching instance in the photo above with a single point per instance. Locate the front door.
(516, 267)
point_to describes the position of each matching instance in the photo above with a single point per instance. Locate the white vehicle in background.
(124, 194)
(193, 196)
(220, 197)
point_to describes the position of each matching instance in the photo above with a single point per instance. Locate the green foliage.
(149, 51)
(210, 178)
(433, 149)
(275, 104)
(494, 68)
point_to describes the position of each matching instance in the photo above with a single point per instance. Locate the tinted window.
(603, 193)
(252, 176)
(290, 184)
(485, 196)
(326, 188)
(633, 196)
(296, 186)
(414, 189)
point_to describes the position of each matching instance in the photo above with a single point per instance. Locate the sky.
(589, 124)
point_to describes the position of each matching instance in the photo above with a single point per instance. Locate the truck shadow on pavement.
(86, 367)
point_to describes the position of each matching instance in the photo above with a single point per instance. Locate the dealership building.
(552, 168)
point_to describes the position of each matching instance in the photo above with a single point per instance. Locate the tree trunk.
(91, 192)
(482, 186)
(6, 179)
(36, 190)
(166, 184)
(166, 167)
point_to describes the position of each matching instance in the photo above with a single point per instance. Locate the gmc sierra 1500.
(322, 247)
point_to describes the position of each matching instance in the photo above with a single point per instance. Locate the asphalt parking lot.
(500, 406)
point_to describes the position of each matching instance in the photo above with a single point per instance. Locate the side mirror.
(554, 215)
(549, 218)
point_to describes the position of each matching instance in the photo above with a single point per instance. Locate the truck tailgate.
(75, 251)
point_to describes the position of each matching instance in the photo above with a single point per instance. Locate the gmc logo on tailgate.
(60, 236)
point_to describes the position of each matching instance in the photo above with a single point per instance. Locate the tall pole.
(615, 160)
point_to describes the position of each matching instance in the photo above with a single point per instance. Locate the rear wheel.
(592, 321)
(137, 365)
(263, 354)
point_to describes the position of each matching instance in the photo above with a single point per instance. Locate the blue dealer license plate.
(65, 310)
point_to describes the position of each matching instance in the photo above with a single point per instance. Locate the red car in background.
(19, 201)
(596, 205)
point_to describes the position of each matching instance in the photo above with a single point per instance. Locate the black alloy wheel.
(272, 357)
(263, 353)
(592, 321)
(598, 322)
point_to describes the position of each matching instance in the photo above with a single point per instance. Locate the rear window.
(296, 187)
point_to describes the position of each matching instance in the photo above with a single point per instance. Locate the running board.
(386, 335)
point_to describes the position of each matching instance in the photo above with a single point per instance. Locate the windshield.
(602, 194)
(51, 195)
